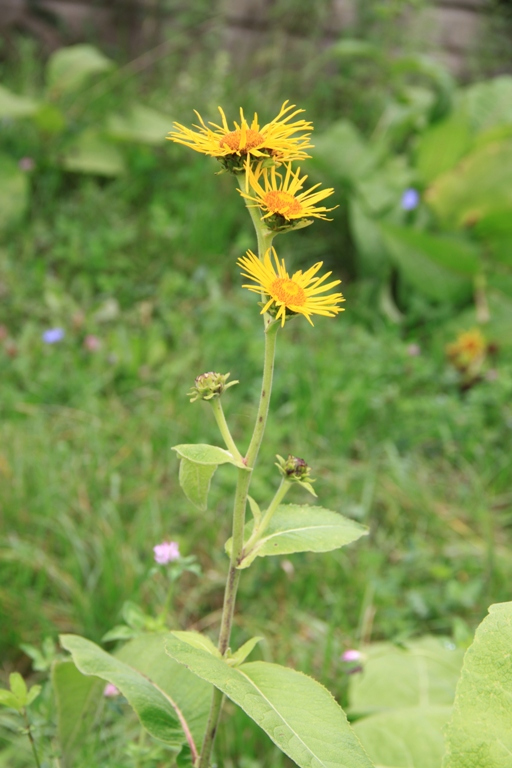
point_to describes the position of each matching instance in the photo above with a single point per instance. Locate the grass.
(89, 483)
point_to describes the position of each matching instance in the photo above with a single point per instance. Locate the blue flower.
(53, 335)
(410, 199)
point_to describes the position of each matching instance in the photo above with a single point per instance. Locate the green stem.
(265, 238)
(259, 529)
(224, 429)
(31, 738)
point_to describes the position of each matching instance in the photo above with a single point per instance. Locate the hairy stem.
(265, 238)
(223, 428)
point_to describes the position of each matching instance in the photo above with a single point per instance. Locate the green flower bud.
(295, 470)
(209, 385)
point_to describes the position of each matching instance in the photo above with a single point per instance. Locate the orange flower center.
(253, 139)
(283, 203)
(290, 293)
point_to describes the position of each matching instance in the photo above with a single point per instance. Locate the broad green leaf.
(93, 154)
(201, 453)
(342, 153)
(14, 191)
(141, 124)
(295, 711)
(70, 68)
(489, 104)
(157, 711)
(441, 146)
(302, 528)
(404, 738)
(440, 267)
(421, 673)
(18, 687)
(383, 189)
(78, 698)
(197, 640)
(480, 731)
(195, 481)
(192, 695)
(13, 106)
(8, 699)
(477, 186)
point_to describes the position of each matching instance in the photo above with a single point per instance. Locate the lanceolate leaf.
(480, 731)
(157, 711)
(210, 455)
(195, 481)
(302, 528)
(295, 711)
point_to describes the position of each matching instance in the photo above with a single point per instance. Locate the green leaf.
(14, 191)
(157, 711)
(256, 511)
(18, 687)
(195, 482)
(33, 693)
(91, 153)
(192, 695)
(295, 711)
(78, 698)
(422, 673)
(477, 186)
(70, 68)
(239, 656)
(489, 104)
(50, 119)
(197, 640)
(404, 738)
(407, 692)
(209, 455)
(442, 145)
(302, 528)
(8, 699)
(13, 106)
(140, 124)
(438, 266)
(342, 153)
(480, 730)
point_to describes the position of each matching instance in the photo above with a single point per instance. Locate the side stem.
(223, 428)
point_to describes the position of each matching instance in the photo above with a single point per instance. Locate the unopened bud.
(209, 385)
(293, 468)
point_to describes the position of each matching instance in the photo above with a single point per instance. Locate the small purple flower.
(26, 164)
(110, 690)
(410, 199)
(166, 552)
(351, 655)
(53, 335)
(413, 350)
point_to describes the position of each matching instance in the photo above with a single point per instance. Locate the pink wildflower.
(110, 690)
(166, 552)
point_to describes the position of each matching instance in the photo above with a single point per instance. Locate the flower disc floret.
(298, 294)
(232, 146)
(280, 197)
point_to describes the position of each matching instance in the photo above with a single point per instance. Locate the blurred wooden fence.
(451, 28)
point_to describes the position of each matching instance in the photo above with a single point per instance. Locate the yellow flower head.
(280, 197)
(232, 146)
(468, 348)
(298, 294)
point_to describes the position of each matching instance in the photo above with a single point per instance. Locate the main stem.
(244, 480)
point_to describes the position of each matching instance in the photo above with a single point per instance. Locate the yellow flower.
(298, 294)
(280, 198)
(469, 347)
(275, 139)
